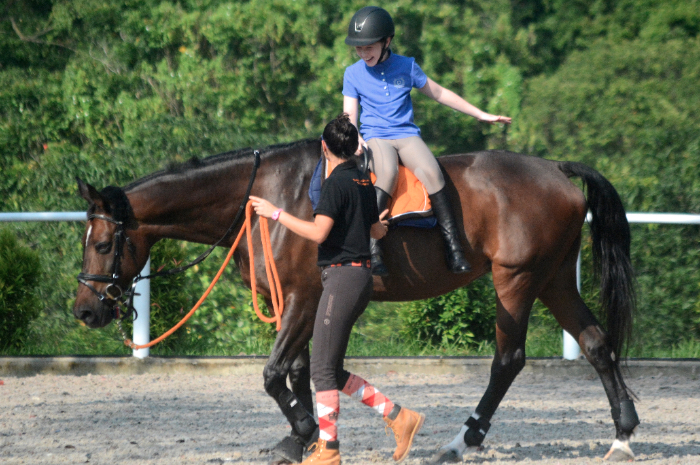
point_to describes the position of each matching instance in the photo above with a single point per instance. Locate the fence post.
(142, 304)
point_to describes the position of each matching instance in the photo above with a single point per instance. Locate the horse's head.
(113, 254)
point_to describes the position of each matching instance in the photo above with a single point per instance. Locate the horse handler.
(344, 220)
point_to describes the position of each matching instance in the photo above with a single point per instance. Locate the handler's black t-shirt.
(348, 197)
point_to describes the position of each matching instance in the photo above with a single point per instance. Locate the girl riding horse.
(381, 83)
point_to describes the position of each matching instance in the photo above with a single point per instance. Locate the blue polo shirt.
(384, 94)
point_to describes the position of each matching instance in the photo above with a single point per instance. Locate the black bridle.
(113, 292)
(125, 298)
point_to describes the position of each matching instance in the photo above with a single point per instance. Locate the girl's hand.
(361, 143)
(492, 119)
(262, 207)
(383, 218)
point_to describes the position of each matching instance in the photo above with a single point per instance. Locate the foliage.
(111, 91)
(227, 320)
(463, 318)
(224, 320)
(631, 111)
(169, 296)
(19, 274)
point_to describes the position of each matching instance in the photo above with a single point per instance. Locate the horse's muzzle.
(94, 318)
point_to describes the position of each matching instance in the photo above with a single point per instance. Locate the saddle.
(409, 204)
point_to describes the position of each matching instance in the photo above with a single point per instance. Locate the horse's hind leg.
(567, 306)
(515, 297)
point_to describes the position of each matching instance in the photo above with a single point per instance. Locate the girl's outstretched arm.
(448, 98)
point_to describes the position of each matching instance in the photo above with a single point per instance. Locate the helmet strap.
(385, 49)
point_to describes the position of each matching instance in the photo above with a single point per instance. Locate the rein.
(123, 298)
(272, 278)
(216, 244)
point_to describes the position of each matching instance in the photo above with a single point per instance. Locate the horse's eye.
(103, 247)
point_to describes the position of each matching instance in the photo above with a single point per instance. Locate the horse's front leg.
(512, 314)
(290, 356)
(300, 379)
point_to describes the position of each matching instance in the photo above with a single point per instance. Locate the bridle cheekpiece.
(113, 292)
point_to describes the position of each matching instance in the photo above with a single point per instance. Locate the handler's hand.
(380, 228)
(262, 207)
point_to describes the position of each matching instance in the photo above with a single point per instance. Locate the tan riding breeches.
(414, 154)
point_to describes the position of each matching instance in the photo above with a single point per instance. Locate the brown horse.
(522, 219)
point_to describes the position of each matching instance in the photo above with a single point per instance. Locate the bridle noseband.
(113, 292)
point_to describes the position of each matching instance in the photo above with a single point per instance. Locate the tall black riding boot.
(448, 227)
(378, 267)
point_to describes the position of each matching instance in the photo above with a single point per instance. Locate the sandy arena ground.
(185, 418)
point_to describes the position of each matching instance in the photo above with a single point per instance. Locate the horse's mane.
(187, 167)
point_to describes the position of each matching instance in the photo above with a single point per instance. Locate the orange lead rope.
(270, 269)
(272, 278)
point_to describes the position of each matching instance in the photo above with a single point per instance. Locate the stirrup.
(378, 266)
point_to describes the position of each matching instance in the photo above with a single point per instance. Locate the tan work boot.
(405, 427)
(323, 453)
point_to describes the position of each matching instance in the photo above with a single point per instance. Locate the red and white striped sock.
(367, 394)
(328, 408)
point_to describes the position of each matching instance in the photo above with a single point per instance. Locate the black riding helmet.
(369, 25)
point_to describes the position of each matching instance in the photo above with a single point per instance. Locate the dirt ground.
(185, 418)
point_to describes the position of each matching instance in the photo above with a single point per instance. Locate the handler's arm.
(316, 230)
(448, 98)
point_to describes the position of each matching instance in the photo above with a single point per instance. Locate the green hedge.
(19, 274)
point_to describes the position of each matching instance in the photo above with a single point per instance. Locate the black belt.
(362, 263)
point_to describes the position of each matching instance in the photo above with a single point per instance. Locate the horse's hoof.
(446, 456)
(620, 452)
(288, 450)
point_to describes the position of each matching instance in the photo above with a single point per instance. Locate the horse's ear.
(89, 193)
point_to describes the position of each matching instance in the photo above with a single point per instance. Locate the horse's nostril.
(85, 315)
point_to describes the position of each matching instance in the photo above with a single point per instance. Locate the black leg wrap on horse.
(476, 431)
(303, 423)
(627, 416)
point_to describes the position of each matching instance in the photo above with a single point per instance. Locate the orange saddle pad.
(409, 200)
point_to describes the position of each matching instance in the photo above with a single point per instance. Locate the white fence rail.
(43, 216)
(571, 350)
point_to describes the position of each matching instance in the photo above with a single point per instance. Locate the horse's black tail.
(610, 233)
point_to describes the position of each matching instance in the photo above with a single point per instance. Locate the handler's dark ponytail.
(341, 136)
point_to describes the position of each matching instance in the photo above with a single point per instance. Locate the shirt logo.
(362, 182)
(399, 82)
